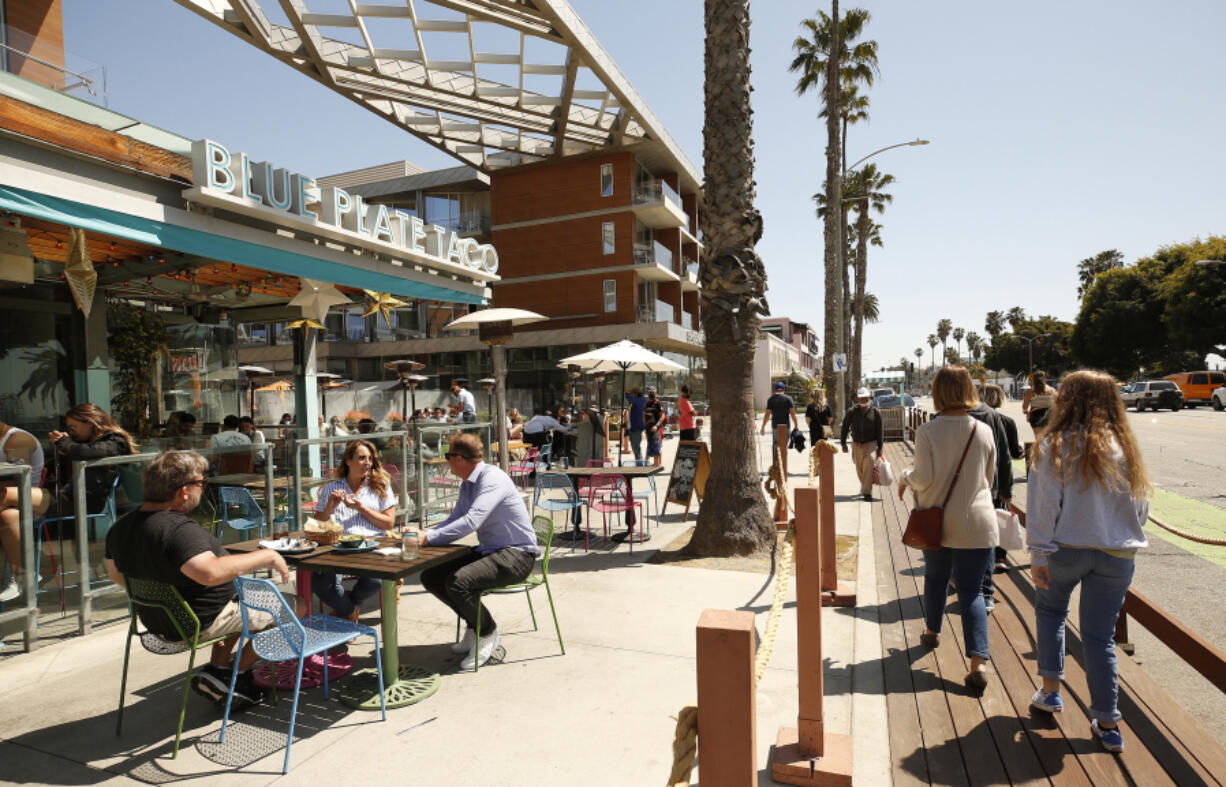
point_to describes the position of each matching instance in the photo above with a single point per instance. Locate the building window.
(606, 236)
(606, 180)
(610, 295)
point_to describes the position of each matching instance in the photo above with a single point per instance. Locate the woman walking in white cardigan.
(956, 456)
(1086, 503)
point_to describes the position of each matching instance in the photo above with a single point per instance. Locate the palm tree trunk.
(850, 378)
(861, 281)
(833, 334)
(734, 518)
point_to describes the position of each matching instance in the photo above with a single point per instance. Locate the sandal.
(930, 640)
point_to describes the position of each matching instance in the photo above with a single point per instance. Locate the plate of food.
(290, 546)
(351, 543)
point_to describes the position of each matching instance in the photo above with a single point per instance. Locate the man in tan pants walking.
(863, 420)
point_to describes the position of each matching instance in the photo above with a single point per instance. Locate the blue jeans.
(1104, 582)
(330, 591)
(636, 442)
(967, 567)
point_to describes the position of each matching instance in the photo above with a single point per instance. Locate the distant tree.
(872, 310)
(994, 324)
(951, 356)
(1119, 327)
(919, 354)
(1009, 351)
(958, 334)
(933, 341)
(1091, 267)
(944, 327)
(974, 345)
(1194, 296)
(1015, 316)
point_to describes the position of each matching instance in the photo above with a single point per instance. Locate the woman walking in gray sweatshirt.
(1086, 504)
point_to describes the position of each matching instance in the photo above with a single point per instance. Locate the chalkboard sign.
(691, 466)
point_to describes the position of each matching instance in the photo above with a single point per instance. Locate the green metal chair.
(543, 526)
(151, 593)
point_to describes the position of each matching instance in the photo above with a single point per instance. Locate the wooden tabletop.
(362, 564)
(630, 470)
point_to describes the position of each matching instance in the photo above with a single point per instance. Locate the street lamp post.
(1030, 348)
(912, 143)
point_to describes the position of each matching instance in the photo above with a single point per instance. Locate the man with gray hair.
(160, 542)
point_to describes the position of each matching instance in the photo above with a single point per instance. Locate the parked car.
(1197, 387)
(895, 400)
(1153, 394)
(880, 392)
(1219, 398)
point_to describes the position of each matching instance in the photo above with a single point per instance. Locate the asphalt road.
(1185, 453)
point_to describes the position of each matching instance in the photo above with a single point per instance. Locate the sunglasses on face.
(200, 482)
(453, 454)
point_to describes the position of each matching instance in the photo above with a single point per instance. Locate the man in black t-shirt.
(654, 419)
(159, 541)
(779, 409)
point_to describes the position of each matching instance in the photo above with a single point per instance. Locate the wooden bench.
(942, 733)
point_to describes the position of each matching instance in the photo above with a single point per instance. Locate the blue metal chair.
(290, 639)
(648, 496)
(548, 483)
(248, 516)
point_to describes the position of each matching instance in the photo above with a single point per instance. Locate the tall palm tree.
(1089, 268)
(943, 329)
(872, 308)
(867, 187)
(958, 334)
(933, 341)
(735, 520)
(1014, 317)
(994, 324)
(919, 358)
(824, 61)
(974, 345)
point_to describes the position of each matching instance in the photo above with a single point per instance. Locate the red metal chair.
(583, 483)
(610, 494)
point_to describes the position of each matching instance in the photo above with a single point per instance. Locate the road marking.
(1186, 426)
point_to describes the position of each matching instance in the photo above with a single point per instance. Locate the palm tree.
(958, 334)
(736, 521)
(933, 341)
(1089, 268)
(872, 310)
(867, 187)
(994, 324)
(824, 60)
(1014, 317)
(943, 329)
(974, 345)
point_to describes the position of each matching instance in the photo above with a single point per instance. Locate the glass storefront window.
(200, 373)
(35, 367)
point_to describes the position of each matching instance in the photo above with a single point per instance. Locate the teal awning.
(218, 247)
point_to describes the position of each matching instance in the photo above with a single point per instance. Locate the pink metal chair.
(584, 484)
(610, 494)
(526, 467)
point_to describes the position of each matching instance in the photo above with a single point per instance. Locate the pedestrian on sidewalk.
(863, 421)
(818, 417)
(955, 460)
(1002, 483)
(1038, 401)
(994, 397)
(1086, 503)
(779, 409)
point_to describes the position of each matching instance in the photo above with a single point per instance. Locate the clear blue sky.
(1058, 130)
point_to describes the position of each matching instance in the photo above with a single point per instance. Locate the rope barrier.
(1216, 542)
(685, 738)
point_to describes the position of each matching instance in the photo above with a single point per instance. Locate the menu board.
(691, 467)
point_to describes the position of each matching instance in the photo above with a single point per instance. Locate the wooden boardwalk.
(943, 733)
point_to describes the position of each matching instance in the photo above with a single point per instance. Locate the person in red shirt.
(685, 415)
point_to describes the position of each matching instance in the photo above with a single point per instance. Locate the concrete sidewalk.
(599, 714)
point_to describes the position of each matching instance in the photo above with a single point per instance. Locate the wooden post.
(834, 592)
(1121, 634)
(806, 753)
(727, 711)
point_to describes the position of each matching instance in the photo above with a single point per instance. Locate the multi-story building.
(801, 336)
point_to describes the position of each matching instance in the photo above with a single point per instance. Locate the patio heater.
(408, 383)
(323, 391)
(574, 371)
(487, 384)
(496, 327)
(251, 373)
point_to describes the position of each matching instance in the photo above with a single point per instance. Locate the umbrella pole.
(625, 422)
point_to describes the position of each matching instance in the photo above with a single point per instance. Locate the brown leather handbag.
(925, 524)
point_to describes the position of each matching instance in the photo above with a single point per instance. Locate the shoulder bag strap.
(958, 471)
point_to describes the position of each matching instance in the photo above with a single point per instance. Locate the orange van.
(1198, 387)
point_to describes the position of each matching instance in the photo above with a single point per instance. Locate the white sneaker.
(465, 645)
(481, 653)
(11, 591)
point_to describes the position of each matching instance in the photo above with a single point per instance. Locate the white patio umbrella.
(626, 356)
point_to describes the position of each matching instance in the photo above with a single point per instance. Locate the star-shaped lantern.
(316, 298)
(306, 322)
(381, 303)
(79, 271)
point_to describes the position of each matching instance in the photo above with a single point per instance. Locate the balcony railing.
(691, 267)
(654, 191)
(687, 321)
(654, 252)
(470, 223)
(657, 311)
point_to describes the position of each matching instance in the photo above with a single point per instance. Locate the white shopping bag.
(883, 475)
(1011, 535)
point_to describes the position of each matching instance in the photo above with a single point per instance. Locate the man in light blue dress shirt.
(490, 505)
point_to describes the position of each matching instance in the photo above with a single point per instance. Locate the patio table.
(629, 473)
(405, 684)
